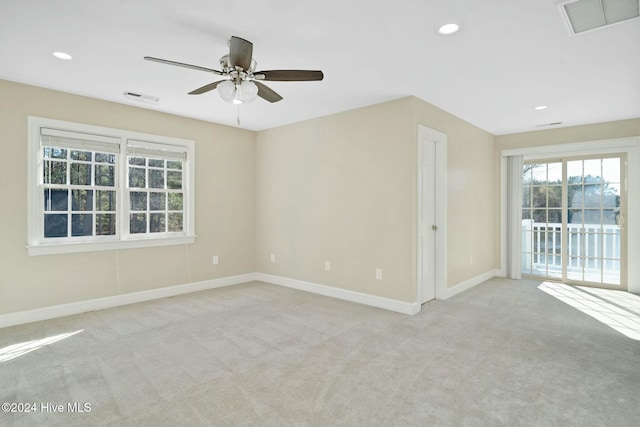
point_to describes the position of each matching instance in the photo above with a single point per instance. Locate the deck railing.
(592, 246)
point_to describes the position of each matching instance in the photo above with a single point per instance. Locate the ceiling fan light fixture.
(249, 91)
(227, 90)
(238, 93)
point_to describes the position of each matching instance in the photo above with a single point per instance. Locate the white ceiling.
(509, 57)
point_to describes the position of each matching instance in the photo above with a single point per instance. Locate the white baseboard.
(343, 294)
(28, 316)
(470, 283)
(46, 313)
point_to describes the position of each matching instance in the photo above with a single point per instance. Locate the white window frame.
(38, 245)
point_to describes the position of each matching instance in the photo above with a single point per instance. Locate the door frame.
(440, 140)
(630, 146)
(563, 161)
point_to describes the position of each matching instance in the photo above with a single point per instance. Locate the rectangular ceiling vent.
(149, 99)
(586, 15)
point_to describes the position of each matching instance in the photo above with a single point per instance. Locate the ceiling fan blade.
(182, 64)
(290, 75)
(240, 53)
(206, 88)
(267, 93)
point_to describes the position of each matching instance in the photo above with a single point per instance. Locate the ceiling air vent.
(545, 125)
(149, 99)
(585, 15)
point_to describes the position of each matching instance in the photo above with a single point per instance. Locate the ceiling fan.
(243, 83)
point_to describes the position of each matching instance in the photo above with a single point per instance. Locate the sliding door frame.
(564, 245)
(630, 147)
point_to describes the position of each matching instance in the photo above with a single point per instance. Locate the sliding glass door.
(572, 220)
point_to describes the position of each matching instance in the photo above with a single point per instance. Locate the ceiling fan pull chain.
(238, 116)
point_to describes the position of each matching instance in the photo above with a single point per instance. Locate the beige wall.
(593, 132)
(225, 207)
(340, 188)
(343, 188)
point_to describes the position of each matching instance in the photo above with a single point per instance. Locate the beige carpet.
(503, 353)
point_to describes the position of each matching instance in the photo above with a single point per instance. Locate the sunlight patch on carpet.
(16, 350)
(619, 310)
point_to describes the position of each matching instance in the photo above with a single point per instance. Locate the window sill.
(67, 248)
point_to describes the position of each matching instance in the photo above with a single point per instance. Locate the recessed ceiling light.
(541, 107)
(448, 28)
(62, 55)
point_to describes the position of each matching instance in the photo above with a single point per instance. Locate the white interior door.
(428, 228)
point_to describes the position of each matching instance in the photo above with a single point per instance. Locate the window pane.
(574, 268)
(105, 224)
(539, 196)
(138, 223)
(54, 153)
(554, 196)
(105, 158)
(137, 178)
(554, 173)
(611, 216)
(82, 200)
(592, 216)
(106, 201)
(55, 172)
(156, 223)
(174, 165)
(592, 195)
(81, 224)
(574, 196)
(611, 196)
(175, 201)
(157, 201)
(138, 201)
(526, 197)
(592, 170)
(539, 173)
(105, 175)
(611, 170)
(55, 225)
(56, 200)
(574, 171)
(612, 272)
(80, 174)
(156, 163)
(174, 180)
(175, 222)
(575, 216)
(540, 215)
(138, 161)
(156, 178)
(554, 216)
(81, 155)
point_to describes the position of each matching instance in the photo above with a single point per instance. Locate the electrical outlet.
(327, 265)
(273, 257)
(378, 274)
(215, 260)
